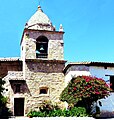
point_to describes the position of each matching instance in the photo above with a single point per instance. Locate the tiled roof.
(104, 64)
(10, 59)
(91, 63)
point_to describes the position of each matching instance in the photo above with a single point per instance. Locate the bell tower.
(43, 61)
(40, 39)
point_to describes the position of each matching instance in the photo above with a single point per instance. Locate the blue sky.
(88, 26)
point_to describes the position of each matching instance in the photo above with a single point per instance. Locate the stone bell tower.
(43, 60)
(41, 40)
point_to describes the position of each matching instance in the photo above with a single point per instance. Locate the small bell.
(41, 48)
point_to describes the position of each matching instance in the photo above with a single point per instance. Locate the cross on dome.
(39, 1)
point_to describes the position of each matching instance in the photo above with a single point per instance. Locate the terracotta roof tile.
(10, 59)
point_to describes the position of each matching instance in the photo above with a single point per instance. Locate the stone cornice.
(45, 61)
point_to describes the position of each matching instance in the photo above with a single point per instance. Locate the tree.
(85, 90)
(4, 112)
(2, 98)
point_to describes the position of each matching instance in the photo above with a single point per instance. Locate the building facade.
(38, 74)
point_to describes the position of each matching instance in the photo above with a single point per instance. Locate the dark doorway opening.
(112, 82)
(18, 106)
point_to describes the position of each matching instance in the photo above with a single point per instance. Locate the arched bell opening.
(41, 47)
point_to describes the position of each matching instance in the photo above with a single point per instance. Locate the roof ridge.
(88, 62)
(10, 59)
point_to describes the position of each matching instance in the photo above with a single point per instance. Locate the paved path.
(57, 118)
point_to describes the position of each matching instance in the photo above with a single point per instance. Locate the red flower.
(97, 93)
(74, 88)
(87, 80)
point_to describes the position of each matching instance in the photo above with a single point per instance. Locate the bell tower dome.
(40, 39)
(39, 21)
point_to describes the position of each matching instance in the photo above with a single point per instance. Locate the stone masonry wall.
(39, 74)
(55, 45)
(6, 66)
(43, 74)
(53, 82)
(12, 78)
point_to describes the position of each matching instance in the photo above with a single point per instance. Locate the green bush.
(4, 111)
(49, 109)
(36, 114)
(47, 106)
(75, 111)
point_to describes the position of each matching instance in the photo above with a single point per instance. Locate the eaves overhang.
(98, 64)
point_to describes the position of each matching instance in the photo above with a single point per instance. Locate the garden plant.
(84, 91)
(47, 109)
(4, 111)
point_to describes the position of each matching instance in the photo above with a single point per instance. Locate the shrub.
(84, 90)
(36, 114)
(47, 106)
(49, 109)
(55, 113)
(4, 111)
(76, 111)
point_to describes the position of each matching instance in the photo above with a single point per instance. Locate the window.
(44, 90)
(17, 88)
(41, 47)
(112, 82)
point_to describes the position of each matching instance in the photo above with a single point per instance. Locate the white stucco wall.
(100, 72)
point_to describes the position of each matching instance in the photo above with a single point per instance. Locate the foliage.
(4, 111)
(47, 106)
(84, 90)
(2, 82)
(49, 109)
(76, 111)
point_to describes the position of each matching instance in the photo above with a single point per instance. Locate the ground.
(57, 118)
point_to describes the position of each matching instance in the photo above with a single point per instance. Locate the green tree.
(4, 112)
(85, 90)
(2, 98)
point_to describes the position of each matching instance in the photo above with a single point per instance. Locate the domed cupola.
(39, 21)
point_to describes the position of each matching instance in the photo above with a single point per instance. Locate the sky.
(88, 27)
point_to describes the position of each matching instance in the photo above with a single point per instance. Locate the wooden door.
(19, 106)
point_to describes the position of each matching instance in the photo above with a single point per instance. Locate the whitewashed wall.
(101, 72)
